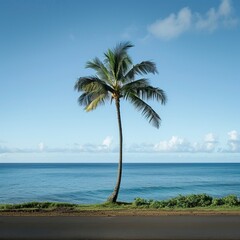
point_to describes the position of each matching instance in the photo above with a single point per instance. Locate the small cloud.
(215, 18)
(225, 8)
(210, 143)
(107, 142)
(106, 146)
(210, 137)
(175, 144)
(41, 146)
(233, 136)
(87, 148)
(142, 147)
(173, 25)
(233, 141)
(178, 144)
(176, 24)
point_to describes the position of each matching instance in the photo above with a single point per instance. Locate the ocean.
(93, 183)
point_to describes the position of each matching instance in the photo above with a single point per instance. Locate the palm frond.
(91, 84)
(143, 90)
(97, 65)
(85, 98)
(84, 81)
(132, 86)
(99, 99)
(141, 68)
(118, 60)
(147, 110)
(151, 93)
(122, 47)
(110, 63)
(143, 82)
(122, 59)
(95, 92)
(124, 65)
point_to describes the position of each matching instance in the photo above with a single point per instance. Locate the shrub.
(5, 206)
(140, 202)
(217, 202)
(170, 203)
(193, 200)
(231, 200)
(190, 201)
(158, 204)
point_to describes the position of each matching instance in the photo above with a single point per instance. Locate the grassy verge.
(189, 203)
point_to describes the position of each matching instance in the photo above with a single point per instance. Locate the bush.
(170, 203)
(189, 201)
(217, 202)
(154, 204)
(5, 206)
(140, 202)
(200, 200)
(231, 200)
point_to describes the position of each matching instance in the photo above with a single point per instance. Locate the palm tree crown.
(116, 79)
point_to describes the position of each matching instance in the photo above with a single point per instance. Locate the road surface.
(121, 227)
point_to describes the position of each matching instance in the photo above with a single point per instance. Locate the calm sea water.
(93, 183)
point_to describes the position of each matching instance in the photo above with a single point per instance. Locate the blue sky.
(44, 46)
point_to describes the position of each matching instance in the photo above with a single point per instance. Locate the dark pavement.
(121, 227)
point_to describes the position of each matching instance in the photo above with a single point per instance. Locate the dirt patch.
(65, 212)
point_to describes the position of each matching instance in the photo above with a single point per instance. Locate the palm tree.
(115, 80)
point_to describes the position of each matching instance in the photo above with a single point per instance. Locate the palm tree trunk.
(113, 197)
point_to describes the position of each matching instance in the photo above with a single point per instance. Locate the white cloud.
(185, 20)
(175, 144)
(173, 25)
(225, 8)
(210, 137)
(210, 142)
(107, 142)
(209, 145)
(234, 136)
(41, 146)
(106, 146)
(233, 141)
(216, 18)
(86, 148)
(140, 148)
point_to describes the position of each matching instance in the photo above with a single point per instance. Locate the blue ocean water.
(93, 183)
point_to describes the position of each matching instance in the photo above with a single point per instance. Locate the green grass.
(196, 202)
(37, 205)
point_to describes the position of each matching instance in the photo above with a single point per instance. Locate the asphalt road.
(121, 227)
